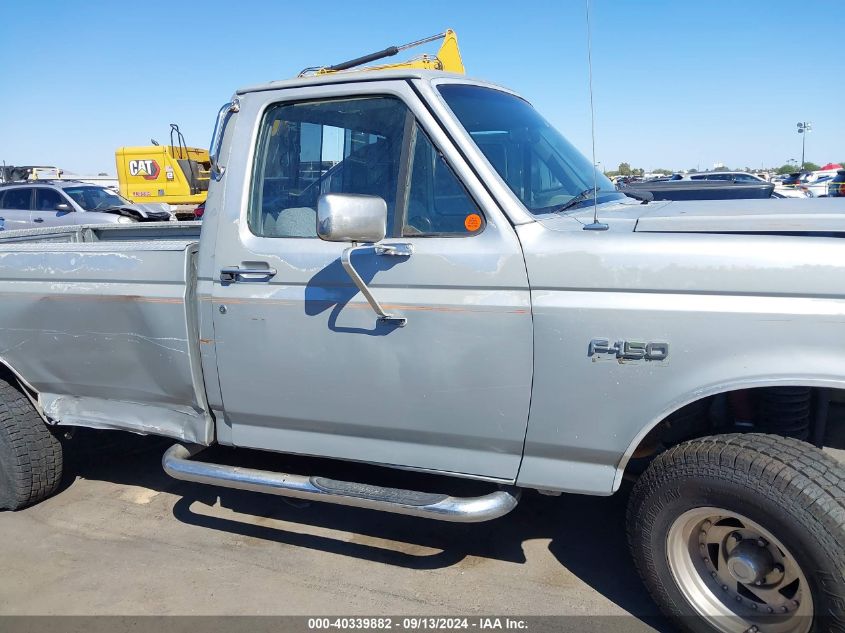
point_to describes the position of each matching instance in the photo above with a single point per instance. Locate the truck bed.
(139, 232)
(101, 322)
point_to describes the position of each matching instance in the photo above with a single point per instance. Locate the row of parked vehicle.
(815, 184)
(26, 205)
(735, 185)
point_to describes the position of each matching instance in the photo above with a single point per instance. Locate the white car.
(818, 187)
(790, 191)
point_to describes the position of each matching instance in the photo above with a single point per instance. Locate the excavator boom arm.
(448, 58)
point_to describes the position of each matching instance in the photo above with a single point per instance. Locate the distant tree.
(721, 168)
(808, 166)
(624, 169)
(665, 172)
(786, 169)
(611, 174)
(638, 171)
(692, 171)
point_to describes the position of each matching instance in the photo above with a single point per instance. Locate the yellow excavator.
(175, 174)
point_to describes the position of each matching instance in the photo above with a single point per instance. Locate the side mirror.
(347, 217)
(350, 217)
(63, 206)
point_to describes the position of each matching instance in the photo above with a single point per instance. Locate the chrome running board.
(177, 463)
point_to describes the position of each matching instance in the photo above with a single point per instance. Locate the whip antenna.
(596, 225)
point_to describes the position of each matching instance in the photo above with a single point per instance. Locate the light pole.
(803, 128)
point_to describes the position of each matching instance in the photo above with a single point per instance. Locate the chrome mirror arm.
(346, 260)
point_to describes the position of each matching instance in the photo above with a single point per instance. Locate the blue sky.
(677, 84)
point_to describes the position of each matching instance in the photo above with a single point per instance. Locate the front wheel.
(743, 533)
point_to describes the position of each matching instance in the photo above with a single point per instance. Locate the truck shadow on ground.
(587, 533)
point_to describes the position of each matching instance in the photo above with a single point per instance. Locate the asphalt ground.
(122, 538)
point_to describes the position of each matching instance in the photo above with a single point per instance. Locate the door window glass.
(308, 149)
(438, 204)
(47, 199)
(17, 199)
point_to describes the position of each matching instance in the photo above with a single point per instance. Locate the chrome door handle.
(235, 273)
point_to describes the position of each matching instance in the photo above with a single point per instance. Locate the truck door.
(304, 365)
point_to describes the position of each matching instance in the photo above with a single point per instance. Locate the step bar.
(178, 464)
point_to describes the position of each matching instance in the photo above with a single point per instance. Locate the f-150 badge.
(628, 350)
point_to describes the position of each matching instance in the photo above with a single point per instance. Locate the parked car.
(461, 294)
(26, 205)
(725, 176)
(817, 188)
(792, 186)
(717, 185)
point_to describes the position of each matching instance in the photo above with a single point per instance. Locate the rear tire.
(782, 499)
(30, 454)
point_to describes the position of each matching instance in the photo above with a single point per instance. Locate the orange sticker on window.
(472, 222)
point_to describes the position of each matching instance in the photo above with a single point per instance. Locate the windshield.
(93, 198)
(540, 166)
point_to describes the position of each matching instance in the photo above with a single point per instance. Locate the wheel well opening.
(10, 377)
(812, 414)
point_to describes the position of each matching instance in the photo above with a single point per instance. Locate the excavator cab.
(175, 174)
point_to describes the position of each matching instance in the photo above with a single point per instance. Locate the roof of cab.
(362, 76)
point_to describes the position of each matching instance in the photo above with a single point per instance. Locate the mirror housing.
(351, 217)
(63, 206)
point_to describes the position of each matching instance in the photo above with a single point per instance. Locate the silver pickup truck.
(415, 270)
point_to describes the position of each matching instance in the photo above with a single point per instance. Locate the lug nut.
(778, 568)
(762, 542)
(713, 574)
(739, 598)
(770, 610)
(724, 587)
(758, 582)
(754, 606)
(736, 536)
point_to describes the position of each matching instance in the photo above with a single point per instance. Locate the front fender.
(713, 298)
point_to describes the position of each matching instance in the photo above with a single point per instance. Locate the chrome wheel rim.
(736, 574)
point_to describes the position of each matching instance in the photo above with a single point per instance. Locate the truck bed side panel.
(100, 331)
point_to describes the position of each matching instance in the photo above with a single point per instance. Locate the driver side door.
(304, 364)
